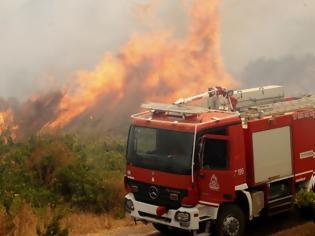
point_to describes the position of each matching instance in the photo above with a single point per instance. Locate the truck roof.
(183, 117)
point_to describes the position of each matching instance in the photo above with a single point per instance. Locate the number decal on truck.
(302, 115)
(307, 154)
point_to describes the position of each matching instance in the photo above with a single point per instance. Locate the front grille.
(161, 218)
(163, 198)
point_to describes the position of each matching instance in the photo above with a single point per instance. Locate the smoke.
(144, 50)
(33, 114)
(43, 39)
(296, 73)
(160, 63)
(252, 29)
(44, 42)
(23, 119)
(270, 42)
(155, 65)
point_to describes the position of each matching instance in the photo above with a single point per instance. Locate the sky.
(43, 42)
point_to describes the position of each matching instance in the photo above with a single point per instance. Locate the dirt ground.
(307, 229)
(289, 224)
(85, 224)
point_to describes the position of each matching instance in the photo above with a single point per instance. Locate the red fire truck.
(214, 166)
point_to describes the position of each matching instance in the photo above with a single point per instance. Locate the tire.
(231, 221)
(163, 229)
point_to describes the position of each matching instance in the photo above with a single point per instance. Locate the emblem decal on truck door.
(214, 185)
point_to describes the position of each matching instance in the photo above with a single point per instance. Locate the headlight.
(129, 207)
(182, 216)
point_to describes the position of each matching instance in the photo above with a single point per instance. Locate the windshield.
(159, 149)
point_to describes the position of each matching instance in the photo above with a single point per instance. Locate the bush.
(47, 158)
(53, 228)
(305, 198)
(305, 201)
(62, 170)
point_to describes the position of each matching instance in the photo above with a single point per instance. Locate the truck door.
(216, 183)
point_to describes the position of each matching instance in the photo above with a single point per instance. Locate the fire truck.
(214, 161)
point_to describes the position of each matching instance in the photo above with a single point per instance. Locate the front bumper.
(147, 212)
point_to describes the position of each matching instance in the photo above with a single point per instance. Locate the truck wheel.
(164, 229)
(231, 221)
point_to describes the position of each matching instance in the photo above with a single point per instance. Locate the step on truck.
(214, 161)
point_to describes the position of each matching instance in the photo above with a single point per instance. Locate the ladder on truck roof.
(221, 99)
(258, 96)
(251, 103)
(255, 112)
(238, 100)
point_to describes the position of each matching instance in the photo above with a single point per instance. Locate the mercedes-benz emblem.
(153, 192)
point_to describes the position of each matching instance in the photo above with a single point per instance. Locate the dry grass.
(4, 222)
(23, 223)
(26, 220)
(88, 223)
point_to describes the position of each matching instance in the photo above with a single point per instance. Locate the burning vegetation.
(151, 66)
(7, 126)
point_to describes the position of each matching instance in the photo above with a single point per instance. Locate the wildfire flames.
(7, 126)
(154, 66)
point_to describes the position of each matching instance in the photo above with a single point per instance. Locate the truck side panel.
(303, 141)
(272, 154)
(261, 143)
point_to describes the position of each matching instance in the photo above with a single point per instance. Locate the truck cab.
(177, 165)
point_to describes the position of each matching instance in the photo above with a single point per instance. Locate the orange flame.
(8, 129)
(108, 76)
(153, 65)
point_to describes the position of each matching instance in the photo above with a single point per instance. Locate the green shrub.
(63, 170)
(305, 198)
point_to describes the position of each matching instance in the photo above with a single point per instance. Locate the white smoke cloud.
(43, 42)
(296, 73)
(272, 29)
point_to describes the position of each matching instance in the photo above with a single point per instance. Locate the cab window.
(215, 155)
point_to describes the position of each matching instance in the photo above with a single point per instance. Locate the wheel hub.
(231, 226)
